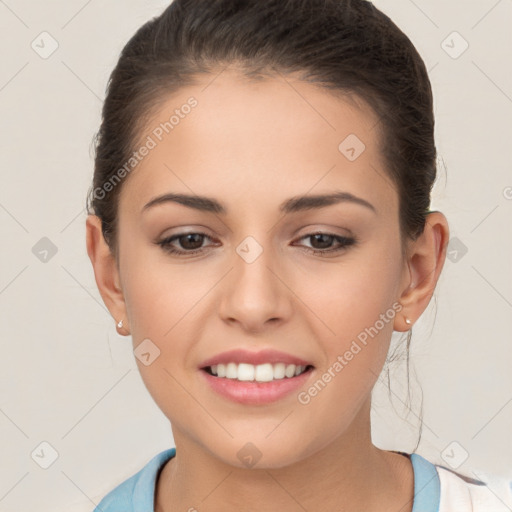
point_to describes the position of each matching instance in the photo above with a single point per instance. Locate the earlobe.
(106, 272)
(425, 261)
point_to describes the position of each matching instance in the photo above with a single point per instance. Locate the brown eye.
(321, 240)
(321, 243)
(188, 243)
(191, 241)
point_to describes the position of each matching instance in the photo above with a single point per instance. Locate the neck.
(348, 474)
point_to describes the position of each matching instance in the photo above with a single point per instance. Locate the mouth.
(255, 378)
(266, 372)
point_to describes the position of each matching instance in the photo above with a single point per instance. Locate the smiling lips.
(255, 377)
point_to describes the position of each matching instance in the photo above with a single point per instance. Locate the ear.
(425, 260)
(106, 273)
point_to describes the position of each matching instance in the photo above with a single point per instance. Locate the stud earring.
(120, 324)
(407, 321)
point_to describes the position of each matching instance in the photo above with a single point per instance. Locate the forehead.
(229, 134)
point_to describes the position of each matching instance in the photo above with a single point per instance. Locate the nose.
(254, 295)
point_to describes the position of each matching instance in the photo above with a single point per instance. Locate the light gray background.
(69, 380)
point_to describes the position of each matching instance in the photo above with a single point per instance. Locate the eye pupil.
(319, 236)
(191, 237)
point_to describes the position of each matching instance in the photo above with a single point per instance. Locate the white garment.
(461, 495)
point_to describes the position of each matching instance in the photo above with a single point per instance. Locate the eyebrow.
(292, 205)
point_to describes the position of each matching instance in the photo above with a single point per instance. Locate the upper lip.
(255, 358)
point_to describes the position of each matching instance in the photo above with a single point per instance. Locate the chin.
(261, 453)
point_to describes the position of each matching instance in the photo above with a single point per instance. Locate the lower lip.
(256, 393)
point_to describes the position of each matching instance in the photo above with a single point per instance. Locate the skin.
(251, 146)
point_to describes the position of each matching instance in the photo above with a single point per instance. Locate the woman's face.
(258, 281)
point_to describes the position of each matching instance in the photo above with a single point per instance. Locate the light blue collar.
(427, 487)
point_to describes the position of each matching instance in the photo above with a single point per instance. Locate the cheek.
(354, 301)
(159, 294)
(358, 310)
(353, 295)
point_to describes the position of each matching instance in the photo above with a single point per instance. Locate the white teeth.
(260, 373)
(245, 371)
(264, 373)
(290, 370)
(299, 370)
(279, 370)
(232, 371)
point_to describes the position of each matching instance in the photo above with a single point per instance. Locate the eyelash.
(344, 241)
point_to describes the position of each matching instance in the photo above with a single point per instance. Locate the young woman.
(260, 225)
